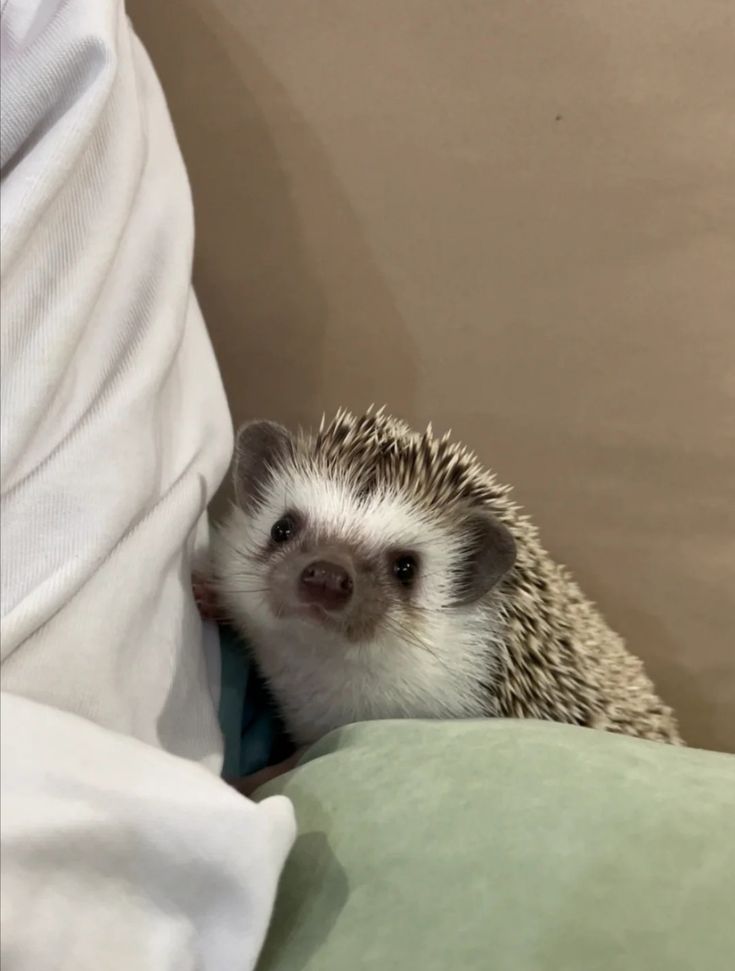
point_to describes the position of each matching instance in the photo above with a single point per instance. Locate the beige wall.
(516, 219)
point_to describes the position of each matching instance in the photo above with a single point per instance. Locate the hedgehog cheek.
(489, 553)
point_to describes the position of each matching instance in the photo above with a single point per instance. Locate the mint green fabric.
(506, 846)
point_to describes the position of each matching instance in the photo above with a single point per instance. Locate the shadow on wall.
(262, 265)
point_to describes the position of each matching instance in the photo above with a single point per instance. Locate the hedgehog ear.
(489, 553)
(260, 447)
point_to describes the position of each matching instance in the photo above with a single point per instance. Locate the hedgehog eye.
(284, 529)
(405, 568)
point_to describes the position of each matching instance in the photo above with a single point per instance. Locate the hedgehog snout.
(327, 584)
(318, 579)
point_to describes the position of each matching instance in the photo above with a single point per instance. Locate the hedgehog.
(378, 573)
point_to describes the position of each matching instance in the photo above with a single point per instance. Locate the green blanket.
(506, 845)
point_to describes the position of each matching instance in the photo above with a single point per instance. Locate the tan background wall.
(516, 219)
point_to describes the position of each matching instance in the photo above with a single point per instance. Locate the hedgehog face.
(358, 547)
(319, 553)
(332, 535)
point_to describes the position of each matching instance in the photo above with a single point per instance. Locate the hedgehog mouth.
(314, 615)
(321, 625)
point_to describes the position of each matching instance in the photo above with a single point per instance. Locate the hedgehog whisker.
(400, 628)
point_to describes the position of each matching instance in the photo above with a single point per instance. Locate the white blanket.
(121, 847)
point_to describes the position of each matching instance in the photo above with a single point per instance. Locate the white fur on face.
(429, 663)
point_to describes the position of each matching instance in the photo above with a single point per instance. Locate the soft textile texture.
(516, 846)
(254, 736)
(117, 855)
(115, 429)
(115, 433)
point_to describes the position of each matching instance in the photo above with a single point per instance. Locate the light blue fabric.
(253, 733)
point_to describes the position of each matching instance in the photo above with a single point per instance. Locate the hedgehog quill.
(378, 572)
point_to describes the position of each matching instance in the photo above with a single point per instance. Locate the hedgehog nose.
(325, 584)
